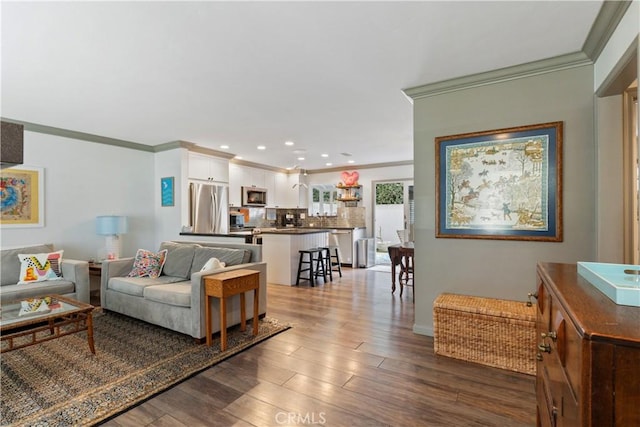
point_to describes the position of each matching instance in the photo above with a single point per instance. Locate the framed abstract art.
(22, 197)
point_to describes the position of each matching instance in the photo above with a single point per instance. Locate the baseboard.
(423, 330)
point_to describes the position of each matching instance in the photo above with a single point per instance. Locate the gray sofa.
(175, 300)
(74, 282)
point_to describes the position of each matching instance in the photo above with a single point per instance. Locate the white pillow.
(40, 267)
(212, 264)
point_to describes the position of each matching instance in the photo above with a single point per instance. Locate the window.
(323, 200)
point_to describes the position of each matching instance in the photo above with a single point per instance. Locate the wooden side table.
(227, 284)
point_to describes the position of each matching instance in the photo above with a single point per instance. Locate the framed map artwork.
(500, 184)
(22, 197)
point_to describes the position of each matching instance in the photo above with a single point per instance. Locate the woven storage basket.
(493, 332)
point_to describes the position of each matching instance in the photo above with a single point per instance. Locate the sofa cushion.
(135, 285)
(179, 258)
(227, 255)
(40, 267)
(148, 264)
(37, 289)
(173, 294)
(10, 263)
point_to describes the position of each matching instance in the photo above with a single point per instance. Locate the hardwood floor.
(351, 359)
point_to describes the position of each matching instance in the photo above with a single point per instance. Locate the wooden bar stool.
(307, 258)
(323, 264)
(335, 262)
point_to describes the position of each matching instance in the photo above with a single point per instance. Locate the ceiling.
(327, 76)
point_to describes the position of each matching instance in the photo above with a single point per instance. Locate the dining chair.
(405, 277)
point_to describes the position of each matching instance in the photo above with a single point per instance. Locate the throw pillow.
(147, 263)
(213, 264)
(40, 267)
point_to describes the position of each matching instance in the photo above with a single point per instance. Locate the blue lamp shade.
(109, 225)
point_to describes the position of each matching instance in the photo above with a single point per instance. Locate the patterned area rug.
(60, 383)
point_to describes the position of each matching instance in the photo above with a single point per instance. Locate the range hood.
(11, 144)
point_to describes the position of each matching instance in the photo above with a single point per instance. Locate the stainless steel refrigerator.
(208, 208)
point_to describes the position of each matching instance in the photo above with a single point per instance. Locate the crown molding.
(260, 166)
(549, 65)
(66, 133)
(603, 27)
(368, 166)
(191, 146)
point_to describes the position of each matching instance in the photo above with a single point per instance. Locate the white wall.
(495, 268)
(84, 180)
(367, 175)
(170, 219)
(609, 226)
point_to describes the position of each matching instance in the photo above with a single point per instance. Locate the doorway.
(393, 211)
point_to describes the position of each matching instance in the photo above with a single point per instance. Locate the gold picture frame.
(22, 197)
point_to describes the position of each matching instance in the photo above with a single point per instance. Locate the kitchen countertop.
(295, 230)
(286, 230)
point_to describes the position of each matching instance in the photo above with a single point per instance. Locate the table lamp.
(112, 227)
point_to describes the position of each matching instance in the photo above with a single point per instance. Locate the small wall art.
(500, 184)
(167, 191)
(22, 197)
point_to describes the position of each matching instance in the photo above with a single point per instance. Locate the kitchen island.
(280, 251)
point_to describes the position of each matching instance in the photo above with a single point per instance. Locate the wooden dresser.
(588, 359)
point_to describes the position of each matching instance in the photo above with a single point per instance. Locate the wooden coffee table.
(22, 331)
(223, 285)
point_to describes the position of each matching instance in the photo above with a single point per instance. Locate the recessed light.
(328, 164)
(288, 143)
(300, 158)
(324, 155)
(224, 147)
(351, 161)
(261, 147)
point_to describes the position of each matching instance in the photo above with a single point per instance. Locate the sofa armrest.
(77, 271)
(113, 268)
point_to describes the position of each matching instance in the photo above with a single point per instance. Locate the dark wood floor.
(351, 359)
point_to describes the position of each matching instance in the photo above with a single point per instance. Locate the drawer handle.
(531, 295)
(545, 348)
(551, 335)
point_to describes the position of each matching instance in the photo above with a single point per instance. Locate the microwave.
(254, 196)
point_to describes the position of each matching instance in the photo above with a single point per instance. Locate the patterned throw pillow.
(40, 267)
(148, 263)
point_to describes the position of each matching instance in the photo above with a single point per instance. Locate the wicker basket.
(489, 331)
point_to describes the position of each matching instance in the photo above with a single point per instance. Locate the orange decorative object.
(30, 275)
(350, 178)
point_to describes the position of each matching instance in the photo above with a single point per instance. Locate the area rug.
(60, 383)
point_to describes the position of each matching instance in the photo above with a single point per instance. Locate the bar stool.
(335, 257)
(312, 255)
(324, 263)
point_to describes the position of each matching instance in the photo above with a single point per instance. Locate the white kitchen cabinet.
(347, 240)
(236, 179)
(208, 168)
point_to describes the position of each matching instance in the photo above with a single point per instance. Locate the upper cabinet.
(208, 168)
(279, 192)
